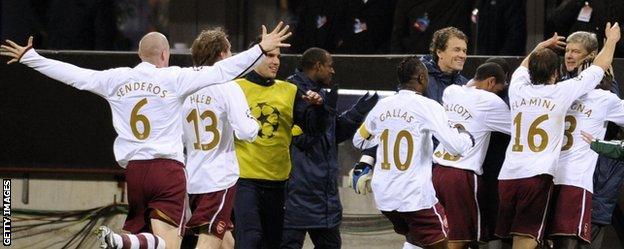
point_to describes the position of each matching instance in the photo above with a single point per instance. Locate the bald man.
(154, 48)
(146, 102)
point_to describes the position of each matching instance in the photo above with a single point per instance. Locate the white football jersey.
(480, 112)
(537, 121)
(212, 116)
(145, 101)
(402, 126)
(589, 113)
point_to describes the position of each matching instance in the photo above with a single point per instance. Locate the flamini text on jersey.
(533, 102)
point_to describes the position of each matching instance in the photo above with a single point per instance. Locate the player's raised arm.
(81, 78)
(245, 125)
(605, 57)
(590, 77)
(456, 140)
(233, 67)
(556, 42)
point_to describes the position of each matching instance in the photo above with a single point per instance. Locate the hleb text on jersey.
(200, 99)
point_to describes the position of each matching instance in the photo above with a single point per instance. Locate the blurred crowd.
(493, 27)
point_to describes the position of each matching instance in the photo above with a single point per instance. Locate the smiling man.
(579, 46)
(265, 163)
(448, 55)
(444, 64)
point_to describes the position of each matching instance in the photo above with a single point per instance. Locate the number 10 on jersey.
(402, 135)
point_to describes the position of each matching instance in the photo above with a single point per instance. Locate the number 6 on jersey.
(135, 118)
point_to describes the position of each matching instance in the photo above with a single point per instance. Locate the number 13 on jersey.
(212, 128)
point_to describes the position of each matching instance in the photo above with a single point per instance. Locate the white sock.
(407, 245)
(118, 240)
(151, 241)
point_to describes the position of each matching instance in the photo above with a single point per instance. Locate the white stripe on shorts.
(218, 210)
(440, 219)
(185, 206)
(539, 233)
(476, 187)
(580, 226)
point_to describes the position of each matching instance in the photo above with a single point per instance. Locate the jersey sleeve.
(520, 77)
(585, 82)
(245, 126)
(84, 79)
(437, 122)
(615, 112)
(364, 137)
(189, 81)
(612, 149)
(497, 116)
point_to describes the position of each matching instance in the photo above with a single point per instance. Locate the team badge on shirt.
(268, 117)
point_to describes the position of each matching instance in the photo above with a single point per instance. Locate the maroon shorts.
(523, 206)
(460, 200)
(156, 190)
(424, 227)
(571, 212)
(211, 212)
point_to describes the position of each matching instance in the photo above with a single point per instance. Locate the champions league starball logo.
(268, 116)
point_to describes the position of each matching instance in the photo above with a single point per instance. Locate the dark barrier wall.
(44, 123)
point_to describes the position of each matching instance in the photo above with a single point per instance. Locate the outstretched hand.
(366, 103)
(587, 137)
(274, 39)
(612, 32)
(15, 51)
(556, 42)
(313, 98)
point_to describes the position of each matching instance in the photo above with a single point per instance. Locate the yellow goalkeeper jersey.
(268, 157)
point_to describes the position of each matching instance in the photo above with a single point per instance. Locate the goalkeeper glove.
(361, 174)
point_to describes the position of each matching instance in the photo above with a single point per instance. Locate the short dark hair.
(543, 65)
(313, 55)
(207, 47)
(490, 69)
(503, 64)
(441, 37)
(255, 41)
(408, 68)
